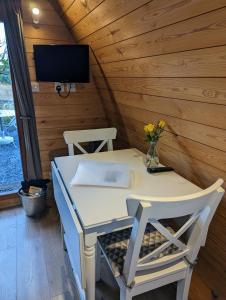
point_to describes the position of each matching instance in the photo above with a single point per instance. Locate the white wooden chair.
(153, 254)
(74, 138)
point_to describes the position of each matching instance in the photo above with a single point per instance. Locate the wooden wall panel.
(199, 32)
(150, 17)
(63, 5)
(78, 10)
(102, 15)
(164, 59)
(54, 115)
(208, 90)
(208, 62)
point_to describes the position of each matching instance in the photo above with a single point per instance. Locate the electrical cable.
(58, 88)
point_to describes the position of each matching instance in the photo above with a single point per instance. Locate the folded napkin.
(99, 173)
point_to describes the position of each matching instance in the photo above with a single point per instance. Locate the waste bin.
(33, 203)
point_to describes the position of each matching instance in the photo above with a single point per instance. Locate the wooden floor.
(33, 265)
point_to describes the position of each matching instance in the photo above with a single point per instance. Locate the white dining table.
(101, 210)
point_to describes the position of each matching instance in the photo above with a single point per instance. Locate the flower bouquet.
(153, 133)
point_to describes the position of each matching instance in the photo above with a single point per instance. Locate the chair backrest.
(73, 138)
(198, 208)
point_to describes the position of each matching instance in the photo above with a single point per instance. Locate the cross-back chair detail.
(200, 206)
(74, 138)
(197, 210)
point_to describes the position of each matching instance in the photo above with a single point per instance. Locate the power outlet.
(35, 86)
(59, 84)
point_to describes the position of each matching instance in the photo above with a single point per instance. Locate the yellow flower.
(149, 128)
(162, 124)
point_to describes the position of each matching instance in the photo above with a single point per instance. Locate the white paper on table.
(99, 173)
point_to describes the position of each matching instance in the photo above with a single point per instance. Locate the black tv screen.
(62, 63)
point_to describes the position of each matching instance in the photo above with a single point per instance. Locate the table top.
(7, 113)
(102, 205)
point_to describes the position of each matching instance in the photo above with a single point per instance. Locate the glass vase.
(152, 158)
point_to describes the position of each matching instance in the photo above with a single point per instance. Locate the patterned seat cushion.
(115, 246)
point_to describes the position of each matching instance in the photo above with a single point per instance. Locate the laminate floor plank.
(8, 274)
(8, 238)
(32, 281)
(7, 218)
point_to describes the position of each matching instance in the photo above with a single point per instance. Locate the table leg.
(90, 261)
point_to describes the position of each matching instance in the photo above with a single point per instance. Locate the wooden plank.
(69, 110)
(199, 290)
(102, 16)
(47, 32)
(209, 62)
(46, 167)
(67, 123)
(30, 59)
(155, 14)
(218, 225)
(81, 98)
(199, 112)
(200, 32)
(31, 270)
(8, 277)
(213, 137)
(78, 10)
(215, 281)
(65, 4)
(9, 201)
(56, 133)
(207, 90)
(8, 233)
(196, 150)
(51, 144)
(32, 73)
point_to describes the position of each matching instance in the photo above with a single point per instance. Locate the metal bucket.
(35, 204)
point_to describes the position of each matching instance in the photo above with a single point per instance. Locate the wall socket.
(60, 84)
(65, 87)
(35, 86)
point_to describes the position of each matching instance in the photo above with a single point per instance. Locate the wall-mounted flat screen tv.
(62, 63)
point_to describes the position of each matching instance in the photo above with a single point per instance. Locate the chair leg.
(184, 285)
(125, 294)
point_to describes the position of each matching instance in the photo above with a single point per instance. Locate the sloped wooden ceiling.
(165, 59)
(54, 115)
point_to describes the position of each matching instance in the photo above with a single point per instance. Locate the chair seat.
(115, 244)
